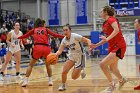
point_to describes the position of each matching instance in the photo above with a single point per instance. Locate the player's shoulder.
(111, 18)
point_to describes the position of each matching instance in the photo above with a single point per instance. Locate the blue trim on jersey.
(81, 47)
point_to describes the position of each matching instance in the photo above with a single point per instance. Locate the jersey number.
(16, 42)
(40, 32)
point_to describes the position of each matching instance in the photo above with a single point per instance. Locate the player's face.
(17, 26)
(66, 31)
(103, 14)
(45, 25)
(136, 24)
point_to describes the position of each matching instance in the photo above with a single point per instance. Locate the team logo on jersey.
(71, 46)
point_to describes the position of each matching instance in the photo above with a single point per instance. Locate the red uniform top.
(3, 37)
(116, 41)
(40, 35)
(138, 32)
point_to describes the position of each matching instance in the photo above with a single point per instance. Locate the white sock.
(50, 78)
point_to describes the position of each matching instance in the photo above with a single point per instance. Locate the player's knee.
(102, 65)
(64, 73)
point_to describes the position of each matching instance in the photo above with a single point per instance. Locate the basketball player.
(14, 49)
(116, 47)
(76, 54)
(41, 48)
(137, 26)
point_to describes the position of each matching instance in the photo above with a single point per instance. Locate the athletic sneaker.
(41, 61)
(137, 87)
(121, 83)
(18, 78)
(24, 82)
(62, 87)
(110, 89)
(50, 83)
(83, 74)
(1, 77)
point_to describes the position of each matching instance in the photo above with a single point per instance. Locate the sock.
(2, 73)
(50, 78)
(17, 73)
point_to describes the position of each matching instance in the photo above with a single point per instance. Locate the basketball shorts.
(119, 51)
(40, 51)
(78, 59)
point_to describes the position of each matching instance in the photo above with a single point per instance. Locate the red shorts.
(40, 51)
(119, 51)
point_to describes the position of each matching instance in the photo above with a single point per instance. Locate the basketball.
(52, 59)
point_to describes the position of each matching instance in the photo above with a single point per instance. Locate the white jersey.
(15, 41)
(76, 50)
(73, 44)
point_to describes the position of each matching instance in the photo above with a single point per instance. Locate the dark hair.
(43, 21)
(110, 10)
(38, 23)
(138, 21)
(67, 25)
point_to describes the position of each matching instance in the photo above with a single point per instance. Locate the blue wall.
(137, 45)
(95, 39)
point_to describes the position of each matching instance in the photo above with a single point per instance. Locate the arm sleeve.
(54, 34)
(30, 32)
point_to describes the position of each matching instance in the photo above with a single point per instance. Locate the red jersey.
(116, 41)
(138, 33)
(40, 35)
(3, 37)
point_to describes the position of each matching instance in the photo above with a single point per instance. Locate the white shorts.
(14, 50)
(78, 59)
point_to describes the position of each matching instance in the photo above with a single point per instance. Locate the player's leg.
(105, 63)
(79, 66)
(67, 66)
(24, 82)
(47, 50)
(17, 56)
(8, 58)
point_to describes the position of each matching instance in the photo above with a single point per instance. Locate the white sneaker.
(83, 74)
(62, 87)
(110, 89)
(121, 83)
(41, 61)
(1, 77)
(18, 78)
(24, 82)
(50, 83)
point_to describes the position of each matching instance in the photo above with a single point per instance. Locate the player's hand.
(103, 38)
(138, 42)
(93, 46)
(56, 54)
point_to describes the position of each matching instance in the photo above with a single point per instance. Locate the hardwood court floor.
(95, 81)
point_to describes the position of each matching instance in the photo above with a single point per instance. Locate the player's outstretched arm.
(54, 34)
(29, 33)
